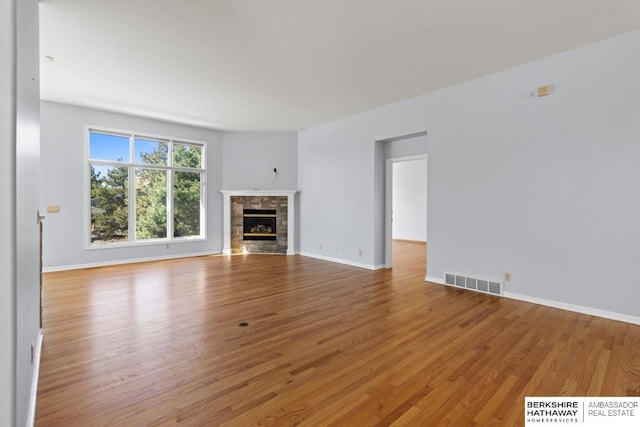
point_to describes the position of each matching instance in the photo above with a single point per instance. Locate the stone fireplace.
(259, 224)
(258, 221)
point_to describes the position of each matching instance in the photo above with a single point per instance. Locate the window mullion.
(170, 224)
(170, 177)
(132, 192)
(203, 203)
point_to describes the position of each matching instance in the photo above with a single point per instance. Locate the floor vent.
(471, 283)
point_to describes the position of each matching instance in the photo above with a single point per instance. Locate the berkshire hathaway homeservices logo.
(582, 411)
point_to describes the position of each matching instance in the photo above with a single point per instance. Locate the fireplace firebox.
(259, 224)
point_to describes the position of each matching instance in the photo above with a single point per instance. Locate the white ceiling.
(290, 64)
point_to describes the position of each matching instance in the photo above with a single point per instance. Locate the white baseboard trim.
(561, 305)
(576, 308)
(410, 240)
(31, 415)
(126, 261)
(434, 280)
(343, 261)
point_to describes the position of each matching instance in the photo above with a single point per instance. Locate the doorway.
(389, 151)
(405, 206)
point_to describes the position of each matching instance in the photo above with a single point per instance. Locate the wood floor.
(160, 344)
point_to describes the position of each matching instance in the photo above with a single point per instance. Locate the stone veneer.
(239, 204)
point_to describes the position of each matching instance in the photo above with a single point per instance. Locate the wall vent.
(474, 284)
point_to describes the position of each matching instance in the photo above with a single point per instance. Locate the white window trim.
(132, 242)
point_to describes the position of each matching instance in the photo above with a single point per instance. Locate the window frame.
(132, 166)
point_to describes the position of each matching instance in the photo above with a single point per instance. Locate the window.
(144, 188)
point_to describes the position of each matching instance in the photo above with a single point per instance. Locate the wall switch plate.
(53, 209)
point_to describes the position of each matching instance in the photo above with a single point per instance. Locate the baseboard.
(576, 308)
(126, 261)
(31, 415)
(342, 261)
(561, 305)
(432, 279)
(424, 242)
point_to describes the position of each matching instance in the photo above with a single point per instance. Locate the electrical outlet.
(360, 252)
(544, 90)
(335, 249)
(507, 277)
(320, 246)
(166, 246)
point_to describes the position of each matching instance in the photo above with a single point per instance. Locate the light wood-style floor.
(159, 344)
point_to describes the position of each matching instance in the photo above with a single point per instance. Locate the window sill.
(154, 242)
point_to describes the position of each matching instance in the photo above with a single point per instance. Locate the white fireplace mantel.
(226, 215)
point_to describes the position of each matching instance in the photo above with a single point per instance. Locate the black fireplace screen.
(259, 224)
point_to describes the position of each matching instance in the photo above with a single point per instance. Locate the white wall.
(405, 146)
(7, 213)
(62, 168)
(335, 177)
(410, 200)
(545, 188)
(250, 157)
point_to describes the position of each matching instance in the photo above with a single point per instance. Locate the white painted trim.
(408, 158)
(557, 304)
(259, 192)
(575, 308)
(31, 414)
(127, 261)
(147, 242)
(432, 279)
(342, 261)
(388, 214)
(291, 223)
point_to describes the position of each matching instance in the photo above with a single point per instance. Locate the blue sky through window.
(108, 147)
(115, 148)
